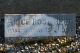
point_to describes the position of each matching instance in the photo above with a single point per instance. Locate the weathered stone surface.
(40, 6)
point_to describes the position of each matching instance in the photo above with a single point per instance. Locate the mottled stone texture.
(36, 6)
(1, 30)
(39, 6)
